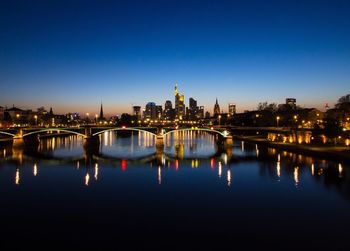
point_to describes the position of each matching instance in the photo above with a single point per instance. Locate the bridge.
(22, 136)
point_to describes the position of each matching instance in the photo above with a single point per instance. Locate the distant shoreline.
(338, 153)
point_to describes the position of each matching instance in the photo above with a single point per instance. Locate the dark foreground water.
(189, 197)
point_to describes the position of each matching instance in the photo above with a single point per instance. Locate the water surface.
(192, 195)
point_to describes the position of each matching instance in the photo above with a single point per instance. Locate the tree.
(343, 103)
(264, 106)
(344, 99)
(332, 129)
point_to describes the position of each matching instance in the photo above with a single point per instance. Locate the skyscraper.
(192, 111)
(179, 104)
(169, 112)
(159, 112)
(216, 108)
(151, 111)
(137, 111)
(201, 112)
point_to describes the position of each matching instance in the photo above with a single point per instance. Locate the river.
(190, 195)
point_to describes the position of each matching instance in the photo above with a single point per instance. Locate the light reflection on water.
(191, 180)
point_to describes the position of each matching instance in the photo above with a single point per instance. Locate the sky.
(73, 55)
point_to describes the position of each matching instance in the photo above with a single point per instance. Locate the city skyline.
(72, 57)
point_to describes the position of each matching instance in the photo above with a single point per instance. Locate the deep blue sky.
(72, 54)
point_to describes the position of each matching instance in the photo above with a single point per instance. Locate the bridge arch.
(53, 129)
(7, 133)
(223, 134)
(123, 129)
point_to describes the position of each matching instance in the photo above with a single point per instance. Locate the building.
(169, 112)
(159, 112)
(150, 111)
(2, 113)
(201, 112)
(15, 113)
(192, 111)
(207, 115)
(291, 102)
(179, 104)
(216, 108)
(231, 109)
(136, 111)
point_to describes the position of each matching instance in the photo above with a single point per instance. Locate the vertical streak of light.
(229, 177)
(340, 170)
(87, 178)
(219, 169)
(35, 169)
(17, 177)
(96, 171)
(159, 175)
(296, 176)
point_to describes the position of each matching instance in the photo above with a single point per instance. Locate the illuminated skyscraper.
(159, 112)
(169, 112)
(179, 104)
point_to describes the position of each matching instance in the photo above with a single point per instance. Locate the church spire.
(216, 107)
(101, 112)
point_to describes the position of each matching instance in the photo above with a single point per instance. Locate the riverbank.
(339, 153)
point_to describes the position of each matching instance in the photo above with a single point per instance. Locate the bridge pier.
(228, 141)
(160, 142)
(18, 142)
(91, 144)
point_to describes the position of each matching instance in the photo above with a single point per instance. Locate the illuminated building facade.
(179, 104)
(169, 112)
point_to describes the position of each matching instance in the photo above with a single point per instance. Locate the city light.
(87, 179)
(277, 119)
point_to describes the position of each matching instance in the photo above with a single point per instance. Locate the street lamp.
(36, 119)
(277, 119)
(17, 117)
(219, 119)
